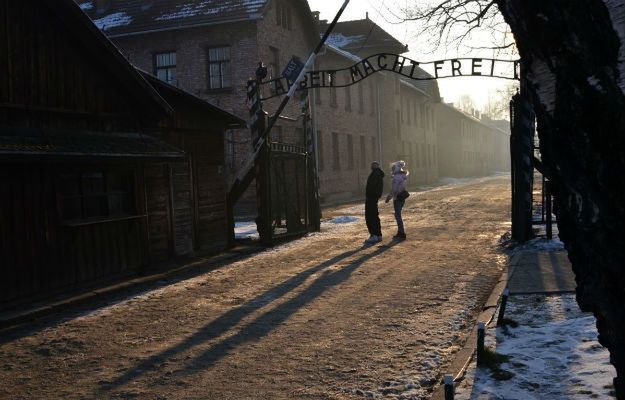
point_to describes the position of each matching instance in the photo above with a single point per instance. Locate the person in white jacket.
(399, 194)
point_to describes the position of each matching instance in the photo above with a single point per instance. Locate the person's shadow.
(259, 327)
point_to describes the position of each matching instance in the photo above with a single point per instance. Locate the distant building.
(469, 146)
(386, 117)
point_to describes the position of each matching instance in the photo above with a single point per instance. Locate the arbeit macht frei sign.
(449, 68)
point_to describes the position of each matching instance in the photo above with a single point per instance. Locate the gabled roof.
(176, 96)
(105, 52)
(126, 17)
(362, 37)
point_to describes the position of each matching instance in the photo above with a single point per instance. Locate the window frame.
(209, 63)
(156, 68)
(128, 173)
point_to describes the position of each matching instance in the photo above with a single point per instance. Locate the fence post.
(502, 307)
(548, 210)
(480, 342)
(449, 387)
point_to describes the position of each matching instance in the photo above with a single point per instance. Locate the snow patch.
(208, 7)
(554, 354)
(343, 220)
(541, 244)
(245, 230)
(113, 20)
(339, 40)
(544, 79)
(86, 6)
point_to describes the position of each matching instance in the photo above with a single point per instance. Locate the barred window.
(219, 74)
(165, 67)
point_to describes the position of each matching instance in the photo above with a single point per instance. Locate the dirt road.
(319, 318)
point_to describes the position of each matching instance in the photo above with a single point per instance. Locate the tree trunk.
(573, 52)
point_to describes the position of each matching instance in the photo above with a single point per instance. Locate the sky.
(451, 89)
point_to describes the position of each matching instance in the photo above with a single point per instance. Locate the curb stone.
(14, 317)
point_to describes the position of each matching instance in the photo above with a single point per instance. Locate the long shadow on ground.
(256, 329)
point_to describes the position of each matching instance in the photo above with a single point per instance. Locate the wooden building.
(103, 170)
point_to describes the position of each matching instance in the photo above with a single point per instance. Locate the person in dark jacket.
(375, 187)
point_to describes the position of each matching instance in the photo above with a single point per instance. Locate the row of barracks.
(122, 122)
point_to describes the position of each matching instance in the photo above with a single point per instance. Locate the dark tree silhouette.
(574, 58)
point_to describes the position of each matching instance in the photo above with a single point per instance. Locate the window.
(165, 67)
(274, 64)
(348, 96)
(372, 97)
(361, 99)
(219, 75)
(277, 134)
(317, 95)
(320, 150)
(96, 194)
(350, 152)
(417, 161)
(398, 123)
(363, 153)
(408, 111)
(373, 149)
(283, 16)
(336, 161)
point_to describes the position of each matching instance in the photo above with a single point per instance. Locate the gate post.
(522, 150)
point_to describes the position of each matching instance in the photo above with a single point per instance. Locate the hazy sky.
(451, 89)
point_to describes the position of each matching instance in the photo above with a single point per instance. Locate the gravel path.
(319, 318)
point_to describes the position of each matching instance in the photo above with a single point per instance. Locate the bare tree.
(466, 103)
(573, 54)
(498, 104)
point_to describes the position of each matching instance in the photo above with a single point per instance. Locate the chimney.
(367, 15)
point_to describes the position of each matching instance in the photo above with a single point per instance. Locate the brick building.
(469, 146)
(211, 48)
(386, 117)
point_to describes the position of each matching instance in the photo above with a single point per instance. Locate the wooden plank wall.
(182, 205)
(44, 69)
(160, 244)
(210, 192)
(40, 255)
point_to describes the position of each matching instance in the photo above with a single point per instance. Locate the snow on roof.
(86, 6)
(343, 53)
(133, 16)
(113, 20)
(206, 8)
(339, 40)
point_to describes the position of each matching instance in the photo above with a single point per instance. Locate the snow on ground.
(343, 220)
(245, 230)
(554, 354)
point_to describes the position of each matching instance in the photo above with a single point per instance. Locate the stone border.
(13, 317)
